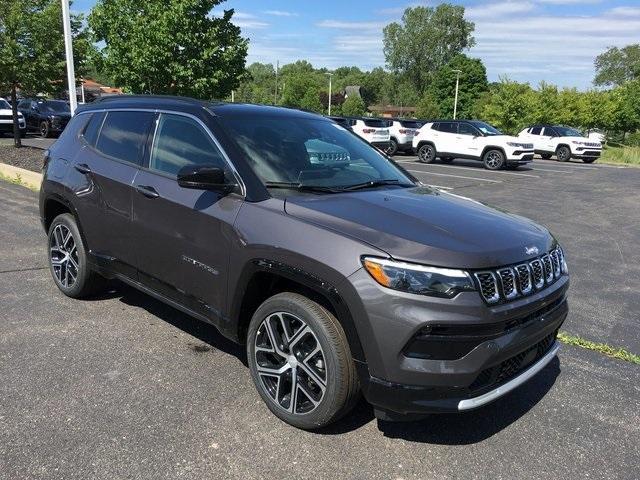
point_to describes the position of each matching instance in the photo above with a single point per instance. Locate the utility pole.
(68, 50)
(330, 74)
(275, 93)
(455, 102)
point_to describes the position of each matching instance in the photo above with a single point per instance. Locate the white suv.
(563, 142)
(373, 130)
(449, 139)
(402, 131)
(6, 119)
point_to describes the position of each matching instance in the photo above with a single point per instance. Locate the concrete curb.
(20, 175)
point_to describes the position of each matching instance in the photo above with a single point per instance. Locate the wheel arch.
(493, 147)
(54, 205)
(262, 278)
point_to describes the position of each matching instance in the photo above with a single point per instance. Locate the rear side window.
(466, 129)
(536, 130)
(448, 127)
(410, 124)
(180, 141)
(92, 129)
(123, 135)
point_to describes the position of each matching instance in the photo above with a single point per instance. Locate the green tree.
(32, 49)
(426, 39)
(172, 47)
(626, 108)
(473, 82)
(258, 86)
(427, 108)
(353, 106)
(618, 65)
(311, 101)
(508, 106)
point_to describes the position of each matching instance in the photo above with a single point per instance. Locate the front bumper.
(7, 127)
(520, 156)
(586, 153)
(398, 383)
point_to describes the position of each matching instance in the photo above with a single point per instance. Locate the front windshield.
(486, 129)
(309, 152)
(4, 105)
(567, 132)
(56, 106)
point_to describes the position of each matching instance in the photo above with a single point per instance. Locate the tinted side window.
(180, 141)
(448, 127)
(466, 129)
(123, 135)
(435, 126)
(92, 129)
(536, 130)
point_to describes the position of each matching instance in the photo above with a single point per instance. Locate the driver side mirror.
(205, 177)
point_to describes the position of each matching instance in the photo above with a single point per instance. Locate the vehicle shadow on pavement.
(204, 332)
(477, 425)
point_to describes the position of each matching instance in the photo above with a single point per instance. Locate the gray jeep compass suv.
(342, 275)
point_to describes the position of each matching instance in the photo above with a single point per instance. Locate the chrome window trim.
(236, 174)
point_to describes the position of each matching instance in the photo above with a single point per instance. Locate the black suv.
(47, 117)
(341, 275)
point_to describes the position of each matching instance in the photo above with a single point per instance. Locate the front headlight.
(418, 279)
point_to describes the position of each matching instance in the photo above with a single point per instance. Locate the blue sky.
(526, 40)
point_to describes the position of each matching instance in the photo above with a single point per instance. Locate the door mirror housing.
(205, 177)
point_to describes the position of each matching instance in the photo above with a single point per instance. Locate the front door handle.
(83, 168)
(147, 191)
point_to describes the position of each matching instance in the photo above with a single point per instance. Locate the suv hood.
(425, 225)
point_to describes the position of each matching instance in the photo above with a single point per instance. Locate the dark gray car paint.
(198, 249)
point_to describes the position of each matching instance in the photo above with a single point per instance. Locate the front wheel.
(427, 153)
(300, 361)
(45, 131)
(493, 160)
(392, 149)
(68, 259)
(563, 154)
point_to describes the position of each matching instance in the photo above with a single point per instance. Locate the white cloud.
(624, 12)
(570, 2)
(281, 13)
(351, 25)
(499, 9)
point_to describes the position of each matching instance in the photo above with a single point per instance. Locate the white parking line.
(477, 170)
(455, 176)
(554, 170)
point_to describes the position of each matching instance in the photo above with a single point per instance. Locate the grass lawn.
(620, 155)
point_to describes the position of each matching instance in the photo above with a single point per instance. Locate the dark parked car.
(47, 117)
(339, 276)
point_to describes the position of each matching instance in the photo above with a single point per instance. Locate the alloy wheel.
(426, 154)
(494, 160)
(63, 255)
(290, 363)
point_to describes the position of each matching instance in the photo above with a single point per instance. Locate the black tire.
(341, 389)
(589, 159)
(546, 156)
(446, 159)
(563, 154)
(45, 131)
(427, 153)
(493, 159)
(85, 282)
(393, 148)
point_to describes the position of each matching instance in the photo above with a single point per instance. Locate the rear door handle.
(147, 191)
(83, 168)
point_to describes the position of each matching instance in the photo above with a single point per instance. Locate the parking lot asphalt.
(123, 386)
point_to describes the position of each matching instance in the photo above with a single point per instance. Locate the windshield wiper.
(302, 187)
(373, 184)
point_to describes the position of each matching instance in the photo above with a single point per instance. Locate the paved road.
(125, 387)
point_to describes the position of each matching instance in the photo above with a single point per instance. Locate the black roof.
(187, 104)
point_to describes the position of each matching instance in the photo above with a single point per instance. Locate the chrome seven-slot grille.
(508, 283)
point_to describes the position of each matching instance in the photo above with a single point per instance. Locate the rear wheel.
(563, 154)
(68, 260)
(393, 148)
(300, 361)
(493, 160)
(427, 153)
(546, 156)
